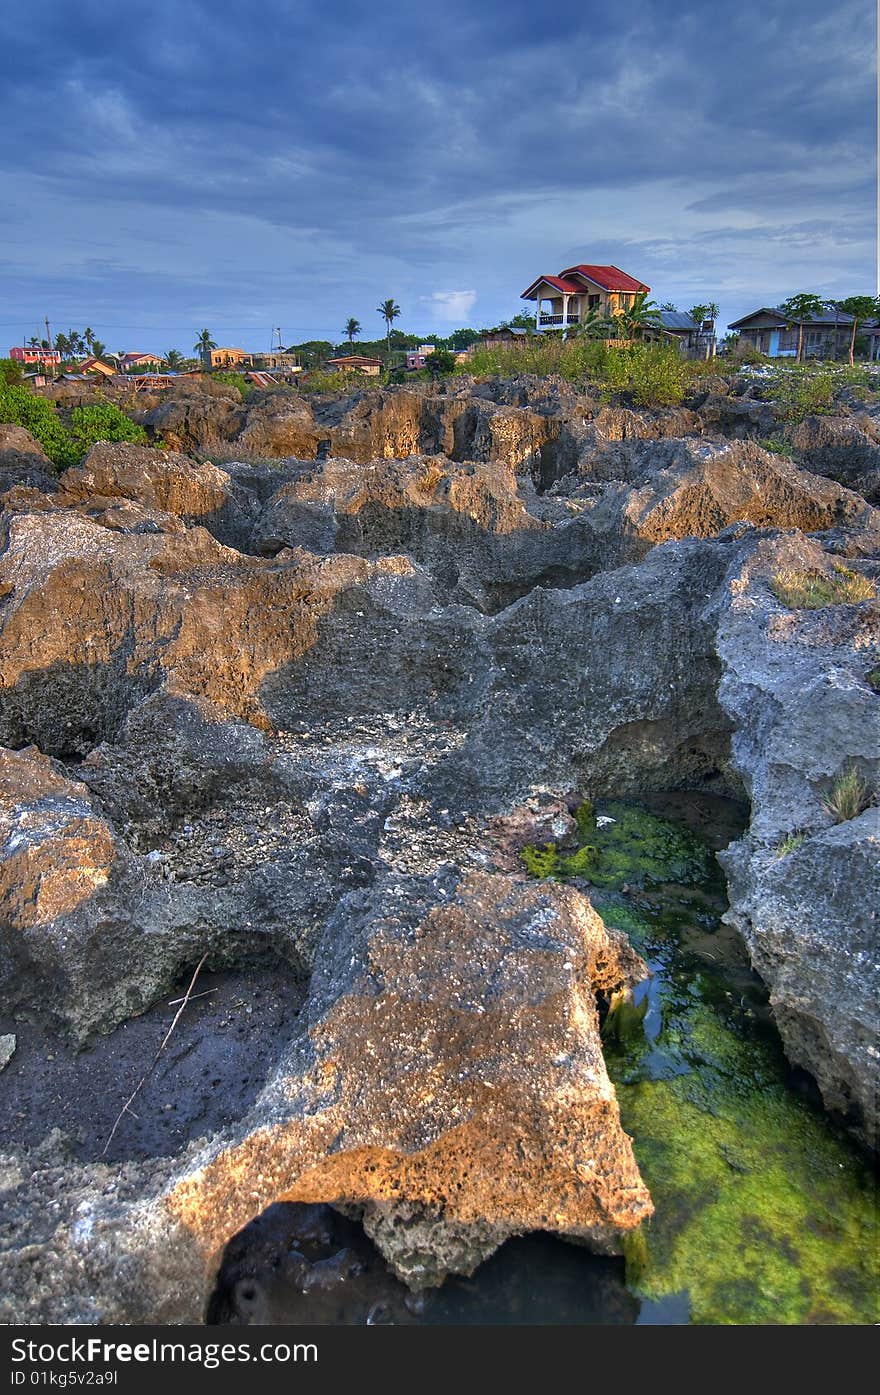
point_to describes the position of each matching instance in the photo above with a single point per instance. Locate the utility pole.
(48, 334)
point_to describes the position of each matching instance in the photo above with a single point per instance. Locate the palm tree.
(89, 338)
(352, 328)
(389, 310)
(596, 325)
(204, 344)
(800, 310)
(173, 359)
(62, 344)
(636, 318)
(98, 349)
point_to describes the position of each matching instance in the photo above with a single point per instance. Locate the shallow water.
(765, 1212)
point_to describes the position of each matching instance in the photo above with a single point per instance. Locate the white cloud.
(452, 305)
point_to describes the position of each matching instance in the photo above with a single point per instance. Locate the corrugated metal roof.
(826, 318)
(677, 319)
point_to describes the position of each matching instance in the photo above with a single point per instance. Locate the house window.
(593, 302)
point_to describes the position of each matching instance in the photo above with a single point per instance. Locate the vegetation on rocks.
(813, 590)
(66, 445)
(848, 797)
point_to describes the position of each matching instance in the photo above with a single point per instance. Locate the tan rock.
(456, 1090)
(55, 851)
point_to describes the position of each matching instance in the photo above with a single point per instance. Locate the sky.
(189, 164)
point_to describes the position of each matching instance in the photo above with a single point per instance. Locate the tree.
(714, 311)
(636, 318)
(204, 344)
(441, 361)
(174, 360)
(521, 320)
(699, 313)
(861, 307)
(389, 310)
(668, 305)
(799, 310)
(352, 329)
(89, 338)
(62, 344)
(98, 349)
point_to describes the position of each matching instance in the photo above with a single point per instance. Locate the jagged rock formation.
(267, 714)
(794, 686)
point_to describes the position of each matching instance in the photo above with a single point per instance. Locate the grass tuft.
(812, 590)
(848, 797)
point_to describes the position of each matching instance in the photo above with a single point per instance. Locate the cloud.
(452, 305)
(289, 164)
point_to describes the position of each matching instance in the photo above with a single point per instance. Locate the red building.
(24, 354)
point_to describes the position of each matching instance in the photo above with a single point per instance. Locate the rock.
(7, 1049)
(447, 1083)
(845, 448)
(793, 686)
(23, 460)
(711, 486)
(192, 417)
(134, 483)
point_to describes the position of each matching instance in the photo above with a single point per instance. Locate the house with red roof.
(565, 299)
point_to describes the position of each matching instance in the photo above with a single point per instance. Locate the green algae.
(627, 846)
(764, 1211)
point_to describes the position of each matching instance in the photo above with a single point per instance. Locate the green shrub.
(848, 797)
(812, 590)
(653, 374)
(101, 421)
(236, 380)
(11, 371)
(20, 407)
(872, 678)
(801, 391)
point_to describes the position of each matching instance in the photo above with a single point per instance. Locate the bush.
(236, 380)
(653, 374)
(11, 371)
(102, 421)
(811, 590)
(36, 415)
(802, 392)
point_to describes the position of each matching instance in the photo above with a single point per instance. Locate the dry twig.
(150, 1068)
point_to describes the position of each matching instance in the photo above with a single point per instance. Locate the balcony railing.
(551, 321)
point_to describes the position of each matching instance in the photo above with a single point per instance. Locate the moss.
(585, 817)
(639, 849)
(541, 862)
(581, 863)
(761, 1213)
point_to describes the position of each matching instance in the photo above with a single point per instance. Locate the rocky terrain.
(278, 717)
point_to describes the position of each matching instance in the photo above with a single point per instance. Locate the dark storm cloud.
(193, 157)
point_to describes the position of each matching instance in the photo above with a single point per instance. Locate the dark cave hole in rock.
(299, 1263)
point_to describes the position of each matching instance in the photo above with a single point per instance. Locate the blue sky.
(192, 163)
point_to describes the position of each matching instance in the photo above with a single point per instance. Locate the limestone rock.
(793, 685)
(448, 1082)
